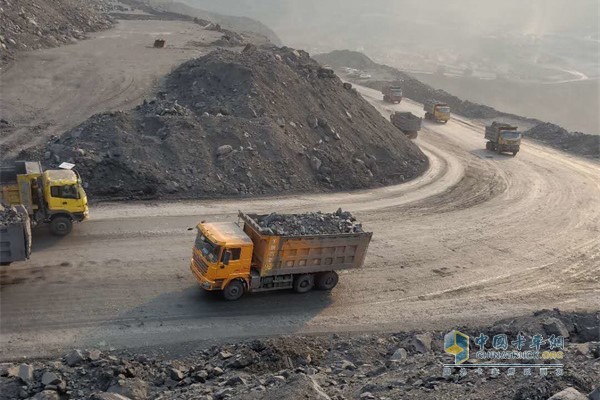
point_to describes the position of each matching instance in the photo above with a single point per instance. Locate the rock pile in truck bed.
(317, 223)
(261, 121)
(9, 215)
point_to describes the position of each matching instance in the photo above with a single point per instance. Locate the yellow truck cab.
(236, 259)
(222, 253)
(436, 110)
(55, 197)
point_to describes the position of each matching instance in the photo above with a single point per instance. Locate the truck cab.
(55, 197)
(222, 252)
(437, 111)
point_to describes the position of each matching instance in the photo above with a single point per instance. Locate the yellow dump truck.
(503, 138)
(55, 197)
(436, 111)
(236, 259)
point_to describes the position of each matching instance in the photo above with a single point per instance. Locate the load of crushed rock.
(261, 121)
(9, 215)
(317, 223)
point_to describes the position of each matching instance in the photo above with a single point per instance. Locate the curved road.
(480, 236)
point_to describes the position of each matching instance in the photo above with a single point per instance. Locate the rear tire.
(515, 153)
(327, 280)
(304, 283)
(61, 226)
(233, 291)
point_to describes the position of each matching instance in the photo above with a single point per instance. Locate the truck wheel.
(233, 291)
(515, 153)
(327, 280)
(61, 226)
(304, 283)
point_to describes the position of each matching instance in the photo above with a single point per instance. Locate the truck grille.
(200, 264)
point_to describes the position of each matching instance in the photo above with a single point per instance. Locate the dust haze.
(540, 59)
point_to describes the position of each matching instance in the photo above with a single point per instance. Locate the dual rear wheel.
(323, 281)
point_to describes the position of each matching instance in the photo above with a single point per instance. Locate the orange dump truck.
(235, 258)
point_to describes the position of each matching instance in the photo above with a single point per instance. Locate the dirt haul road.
(479, 237)
(113, 70)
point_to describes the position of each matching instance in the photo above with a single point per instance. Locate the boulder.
(50, 378)
(108, 396)
(74, 358)
(46, 395)
(399, 354)
(422, 342)
(224, 150)
(135, 389)
(554, 326)
(569, 394)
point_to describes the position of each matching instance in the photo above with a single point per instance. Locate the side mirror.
(226, 257)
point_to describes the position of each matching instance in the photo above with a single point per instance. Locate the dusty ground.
(478, 237)
(113, 70)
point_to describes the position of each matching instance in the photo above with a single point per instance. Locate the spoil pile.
(9, 215)
(263, 121)
(317, 223)
(34, 24)
(575, 142)
(404, 365)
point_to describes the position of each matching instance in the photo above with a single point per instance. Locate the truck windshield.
(209, 249)
(397, 92)
(444, 109)
(511, 135)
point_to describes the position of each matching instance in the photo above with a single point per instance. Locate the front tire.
(61, 226)
(233, 291)
(304, 283)
(327, 280)
(515, 153)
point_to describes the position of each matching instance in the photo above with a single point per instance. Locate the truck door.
(230, 263)
(65, 197)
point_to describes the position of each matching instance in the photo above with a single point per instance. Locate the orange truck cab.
(234, 259)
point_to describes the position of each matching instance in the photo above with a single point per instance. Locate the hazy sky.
(290, 17)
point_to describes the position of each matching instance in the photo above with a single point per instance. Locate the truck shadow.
(491, 155)
(43, 239)
(181, 319)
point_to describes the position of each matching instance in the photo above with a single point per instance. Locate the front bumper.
(205, 283)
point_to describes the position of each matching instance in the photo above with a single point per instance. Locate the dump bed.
(406, 121)
(15, 234)
(492, 131)
(15, 183)
(429, 105)
(276, 254)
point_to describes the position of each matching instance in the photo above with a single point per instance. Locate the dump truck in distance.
(407, 122)
(436, 111)
(503, 138)
(392, 94)
(237, 259)
(55, 197)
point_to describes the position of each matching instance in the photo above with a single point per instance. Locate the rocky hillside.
(555, 136)
(34, 24)
(374, 366)
(263, 121)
